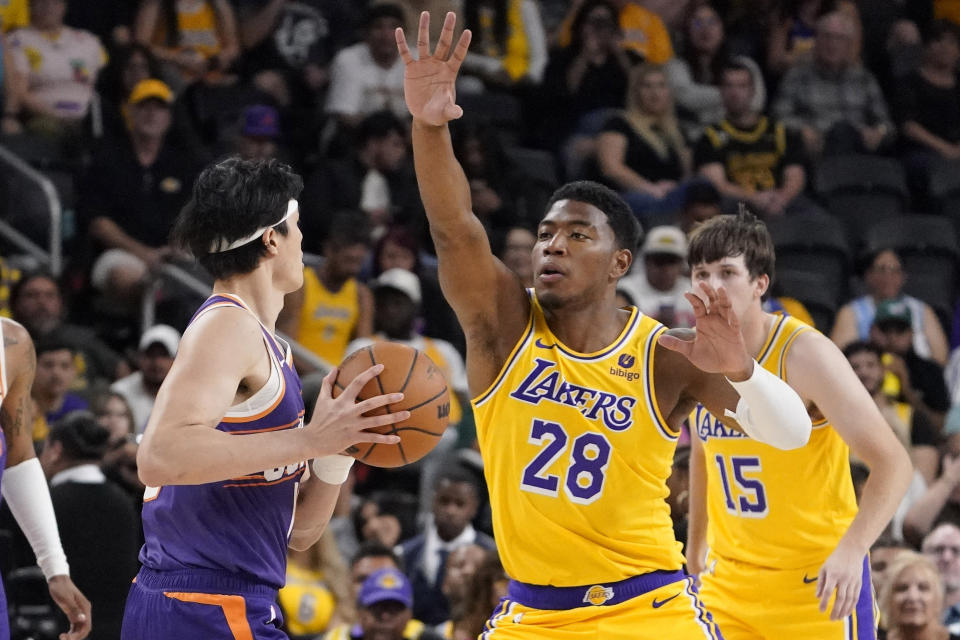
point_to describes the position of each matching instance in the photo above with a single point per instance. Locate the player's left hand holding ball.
(843, 573)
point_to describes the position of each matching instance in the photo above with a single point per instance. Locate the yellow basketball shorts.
(653, 606)
(754, 602)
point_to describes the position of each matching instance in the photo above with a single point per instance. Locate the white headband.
(222, 244)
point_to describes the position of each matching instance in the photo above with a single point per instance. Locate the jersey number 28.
(586, 464)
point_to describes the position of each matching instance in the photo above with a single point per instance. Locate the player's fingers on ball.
(326, 385)
(377, 438)
(381, 421)
(378, 401)
(362, 379)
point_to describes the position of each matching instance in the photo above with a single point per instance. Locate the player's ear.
(763, 283)
(270, 240)
(620, 265)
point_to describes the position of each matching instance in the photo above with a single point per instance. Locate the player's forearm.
(885, 488)
(198, 454)
(314, 510)
(444, 188)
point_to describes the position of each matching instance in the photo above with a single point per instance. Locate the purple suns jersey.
(241, 525)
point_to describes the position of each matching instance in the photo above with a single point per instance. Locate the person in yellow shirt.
(14, 14)
(578, 403)
(643, 31)
(332, 307)
(776, 536)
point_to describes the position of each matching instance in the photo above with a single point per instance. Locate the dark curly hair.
(82, 437)
(619, 216)
(231, 199)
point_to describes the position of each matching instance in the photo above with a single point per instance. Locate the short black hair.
(386, 9)
(378, 125)
(28, 277)
(82, 437)
(373, 549)
(861, 346)
(348, 228)
(937, 29)
(55, 340)
(231, 199)
(701, 192)
(454, 472)
(732, 64)
(625, 226)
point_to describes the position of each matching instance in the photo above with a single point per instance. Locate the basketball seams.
(413, 365)
(428, 400)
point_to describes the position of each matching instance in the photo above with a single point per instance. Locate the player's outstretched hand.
(339, 422)
(74, 605)
(429, 82)
(717, 345)
(841, 573)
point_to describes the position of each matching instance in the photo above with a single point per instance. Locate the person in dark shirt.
(98, 523)
(132, 192)
(747, 156)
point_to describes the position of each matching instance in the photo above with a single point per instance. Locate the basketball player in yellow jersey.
(784, 534)
(578, 403)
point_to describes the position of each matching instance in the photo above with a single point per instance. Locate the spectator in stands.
(461, 569)
(643, 30)
(14, 14)
(517, 253)
(113, 414)
(111, 22)
(194, 39)
(317, 594)
(455, 503)
(56, 372)
(942, 546)
(587, 75)
(370, 558)
(288, 46)
(832, 99)
(127, 67)
(912, 600)
(509, 44)
(368, 76)
(57, 67)
(399, 248)
(484, 594)
(385, 604)
(695, 77)
(98, 524)
(642, 153)
(882, 554)
(133, 190)
(884, 279)
(939, 505)
(333, 306)
(701, 202)
(37, 303)
(259, 133)
(919, 380)
(158, 346)
(658, 288)
(792, 32)
(376, 177)
(913, 428)
(928, 105)
(747, 156)
(119, 462)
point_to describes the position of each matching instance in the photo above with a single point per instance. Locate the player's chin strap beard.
(221, 244)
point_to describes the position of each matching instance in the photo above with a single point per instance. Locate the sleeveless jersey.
(241, 525)
(327, 319)
(773, 508)
(579, 455)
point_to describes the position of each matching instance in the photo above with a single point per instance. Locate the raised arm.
(219, 352)
(488, 299)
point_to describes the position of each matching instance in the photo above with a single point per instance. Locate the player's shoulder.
(14, 333)
(230, 327)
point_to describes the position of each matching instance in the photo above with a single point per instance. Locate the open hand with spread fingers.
(429, 82)
(339, 422)
(717, 345)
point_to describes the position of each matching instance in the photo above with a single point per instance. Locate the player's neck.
(259, 294)
(756, 325)
(587, 329)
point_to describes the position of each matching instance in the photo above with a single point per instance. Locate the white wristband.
(770, 410)
(332, 469)
(24, 487)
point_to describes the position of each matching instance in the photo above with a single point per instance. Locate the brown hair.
(730, 236)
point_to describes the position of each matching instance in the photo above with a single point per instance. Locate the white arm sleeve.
(25, 489)
(770, 411)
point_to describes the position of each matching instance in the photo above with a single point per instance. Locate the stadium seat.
(813, 290)
(813, 243)
(860, 190)
(944, 190)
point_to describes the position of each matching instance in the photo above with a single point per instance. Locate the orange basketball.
(426, 397)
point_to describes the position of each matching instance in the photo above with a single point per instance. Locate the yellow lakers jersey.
(307, 603)
(773, 508)
(327, 319)
(578, 456)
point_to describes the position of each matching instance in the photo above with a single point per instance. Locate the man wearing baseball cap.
(158, 346)
(385, 610)
(259, 133)
(657, 289)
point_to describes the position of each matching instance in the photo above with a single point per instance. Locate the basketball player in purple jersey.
(24, 486)
(223, 453)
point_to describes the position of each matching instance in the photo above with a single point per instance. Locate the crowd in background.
(836, 121)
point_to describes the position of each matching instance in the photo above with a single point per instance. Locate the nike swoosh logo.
(544, 346)
(659, 603)
(807, 580)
